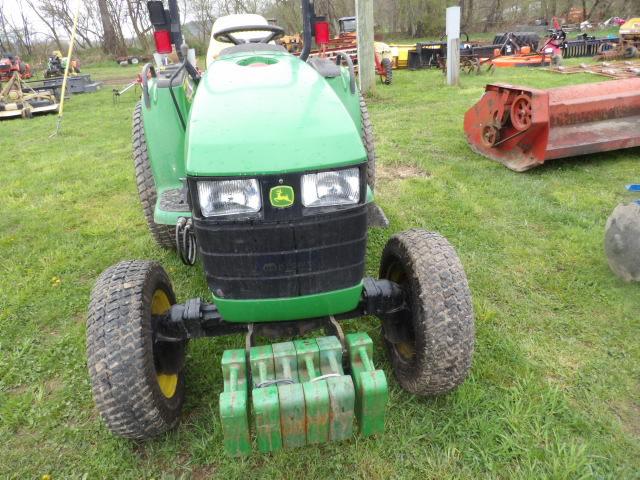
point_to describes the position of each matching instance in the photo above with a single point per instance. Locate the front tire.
(630, 52)
(436, 347)
(137, 382)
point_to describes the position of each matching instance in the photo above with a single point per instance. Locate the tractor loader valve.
(301, 394)
(523, 127)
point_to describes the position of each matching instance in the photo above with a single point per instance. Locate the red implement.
(524, 127)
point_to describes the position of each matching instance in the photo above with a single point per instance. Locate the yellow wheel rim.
(168, 382)
(160, 302)
(405, 350)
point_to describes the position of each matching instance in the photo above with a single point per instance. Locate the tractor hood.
(267, 113)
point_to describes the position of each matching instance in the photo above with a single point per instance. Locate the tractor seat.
(237, 20)
(325, 67)
(253, 47)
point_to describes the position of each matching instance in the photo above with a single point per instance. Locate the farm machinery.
(347, 40)
(263, 166)
(10, 64)
(553, 49)
(549, 53)
(345, 43)
(18, 99)
(524, 127)
(56, 65)
(629, 42)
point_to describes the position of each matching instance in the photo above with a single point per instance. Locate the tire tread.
(443, 319)
(120, 354)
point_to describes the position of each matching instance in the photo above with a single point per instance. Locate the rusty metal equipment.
(17, 99)
(10, 63)
(346, 45)
(629, 44)
(620, 69)
(585, 46)
(524, 127)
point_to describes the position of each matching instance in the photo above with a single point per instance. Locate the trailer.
(75, 84)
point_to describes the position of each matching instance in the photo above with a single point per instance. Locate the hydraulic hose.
(352, 73)
(173, 96)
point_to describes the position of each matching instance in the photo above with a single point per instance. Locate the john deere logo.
(281, 196)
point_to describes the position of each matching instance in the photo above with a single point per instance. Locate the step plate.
(174, 200)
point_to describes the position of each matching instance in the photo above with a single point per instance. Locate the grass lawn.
(554, 391)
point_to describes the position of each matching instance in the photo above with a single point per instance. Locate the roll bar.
(176, 29)
(173, 21)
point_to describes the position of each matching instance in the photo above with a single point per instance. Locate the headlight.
(340, 187)
(229, 197)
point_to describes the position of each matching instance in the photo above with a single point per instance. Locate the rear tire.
(387, 66)
(164, 235)
(369, 143)
(436, 354)
(137, 383)
(630, 52)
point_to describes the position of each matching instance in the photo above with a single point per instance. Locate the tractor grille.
(314, 254)
(285, 252)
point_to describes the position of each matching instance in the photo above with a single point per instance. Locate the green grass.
(554, 390)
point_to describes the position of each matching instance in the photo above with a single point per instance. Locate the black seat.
(324, 67)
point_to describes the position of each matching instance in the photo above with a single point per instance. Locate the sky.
(12, 9)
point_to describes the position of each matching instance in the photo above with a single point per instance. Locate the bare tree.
(139, 21)
(5, 40)
(49, 22)
(109, 35)
(203, 15)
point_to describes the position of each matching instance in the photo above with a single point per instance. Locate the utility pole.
(453, 45)
(366, 54)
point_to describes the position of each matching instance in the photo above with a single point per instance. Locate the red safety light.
(163, 41)
(322, 32)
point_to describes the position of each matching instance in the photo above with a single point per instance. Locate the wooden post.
(366, 53)
(453, 45)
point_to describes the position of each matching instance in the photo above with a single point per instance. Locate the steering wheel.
(226, 34)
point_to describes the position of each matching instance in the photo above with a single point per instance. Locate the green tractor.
(264, 167)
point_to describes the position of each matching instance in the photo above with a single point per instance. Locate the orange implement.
(522, 60)
(523, 127)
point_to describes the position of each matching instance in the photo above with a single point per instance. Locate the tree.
(140, 21)
(5, 40)
(109, 36)
(49, 22)
(202, 12)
